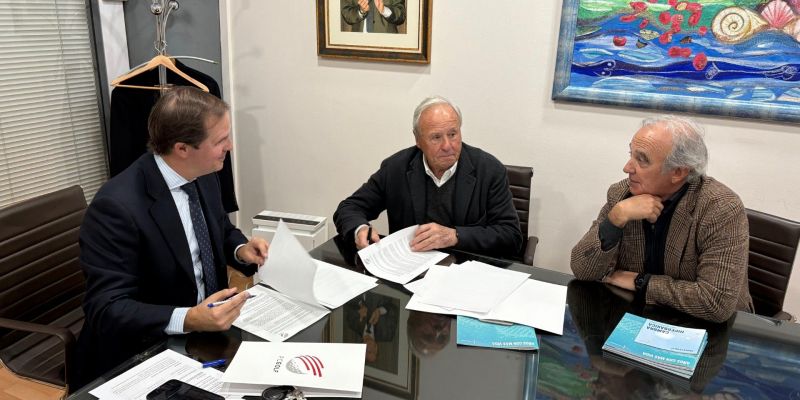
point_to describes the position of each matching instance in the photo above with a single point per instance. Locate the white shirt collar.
(173, 179)
(445, 176)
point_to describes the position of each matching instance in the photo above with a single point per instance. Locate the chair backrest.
(519, 180)
(41, 280)
(773, 245)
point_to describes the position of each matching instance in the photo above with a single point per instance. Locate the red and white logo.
(305, 365)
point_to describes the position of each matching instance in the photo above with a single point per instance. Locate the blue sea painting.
(734, 51)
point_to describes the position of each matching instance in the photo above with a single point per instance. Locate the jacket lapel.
(679, 227)
(165, 215)
(465, 181)
(415, 176)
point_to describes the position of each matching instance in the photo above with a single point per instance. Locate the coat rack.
(158, 9)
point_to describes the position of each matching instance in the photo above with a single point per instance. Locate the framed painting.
(379, 319)
(737, 58)
(380, 30)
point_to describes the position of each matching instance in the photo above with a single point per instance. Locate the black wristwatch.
(640, 282)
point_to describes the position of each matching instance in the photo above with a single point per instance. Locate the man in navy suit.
(156, 240)
(457, 194)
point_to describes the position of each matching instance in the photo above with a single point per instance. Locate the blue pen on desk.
(219, 303)
(215, 363)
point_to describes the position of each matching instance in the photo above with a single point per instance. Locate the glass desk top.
(416, 356)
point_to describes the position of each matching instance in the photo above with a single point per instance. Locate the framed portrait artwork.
(738, 58)
(380, 30)
(379, 319)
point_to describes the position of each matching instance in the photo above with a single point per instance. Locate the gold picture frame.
(405, 36)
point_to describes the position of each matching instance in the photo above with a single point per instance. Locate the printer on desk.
(310, 230)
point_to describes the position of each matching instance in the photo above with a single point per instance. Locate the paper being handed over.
(302, 287)
(393, 260)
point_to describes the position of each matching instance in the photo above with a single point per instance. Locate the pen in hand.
(219, 303)
(369, 236)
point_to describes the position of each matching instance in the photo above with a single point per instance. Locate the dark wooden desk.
(750, 355)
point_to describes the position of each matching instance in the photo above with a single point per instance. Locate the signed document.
(393, 260)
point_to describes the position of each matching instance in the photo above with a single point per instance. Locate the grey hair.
(688, 148)
(428, 103)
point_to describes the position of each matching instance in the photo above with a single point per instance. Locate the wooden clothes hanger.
(155, 62)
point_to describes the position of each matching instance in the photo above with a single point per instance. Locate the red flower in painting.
(694, 19)
(644, 23)
(619, 41)
(665, 37)
(677, 51)
(664, 17)
(702, 30)
(638, 6)
(700, 61)
(628, 18)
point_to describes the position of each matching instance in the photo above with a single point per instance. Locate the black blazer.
(483, 211)
(137, 264)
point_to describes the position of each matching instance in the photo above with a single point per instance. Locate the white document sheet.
(140, 380)
(276, 317)
(471, 286)
(289, 269)
(318, 369)
(393, 260)
(335, 285)
(535, 303)
(305, 285)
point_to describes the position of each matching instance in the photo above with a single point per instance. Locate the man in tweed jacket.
(673, 235)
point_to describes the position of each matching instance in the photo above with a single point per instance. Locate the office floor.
(14, 387)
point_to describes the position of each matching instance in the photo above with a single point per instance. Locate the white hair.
(428, 103)
(688, 147)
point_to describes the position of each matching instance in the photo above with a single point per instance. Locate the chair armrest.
(63, 334)
(530, 250)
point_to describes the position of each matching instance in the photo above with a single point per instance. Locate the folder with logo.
(318, 369)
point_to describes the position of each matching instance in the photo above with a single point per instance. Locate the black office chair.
(519, 180)
(773, 244)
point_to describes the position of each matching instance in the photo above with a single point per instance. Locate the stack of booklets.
(666, 347)
(474, 332)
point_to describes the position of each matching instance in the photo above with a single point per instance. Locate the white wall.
(310, 130)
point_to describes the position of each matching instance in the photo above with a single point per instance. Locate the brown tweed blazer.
(705, 260)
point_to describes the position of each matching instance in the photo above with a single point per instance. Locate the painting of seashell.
(793, 29)
(777, 14)
(736, 24)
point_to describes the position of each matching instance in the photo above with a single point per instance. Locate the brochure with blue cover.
(668, 347)
(474, 332)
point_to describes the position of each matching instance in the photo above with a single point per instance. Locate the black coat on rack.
(130, 109)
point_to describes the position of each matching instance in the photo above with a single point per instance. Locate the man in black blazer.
(458, 194)
(156, 240)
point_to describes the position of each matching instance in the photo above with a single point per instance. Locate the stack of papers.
(304, 288)
(490, 293)
(318, 369)
(140, 380)
(671, 348)
(473, 332)
(392, 259)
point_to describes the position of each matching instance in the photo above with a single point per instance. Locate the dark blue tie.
(370, 20)
(203, 240)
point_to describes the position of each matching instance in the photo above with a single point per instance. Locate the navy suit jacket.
(138, 268)
(483, 209)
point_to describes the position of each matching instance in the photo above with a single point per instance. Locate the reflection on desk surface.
(747, 357)
(735, 365)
